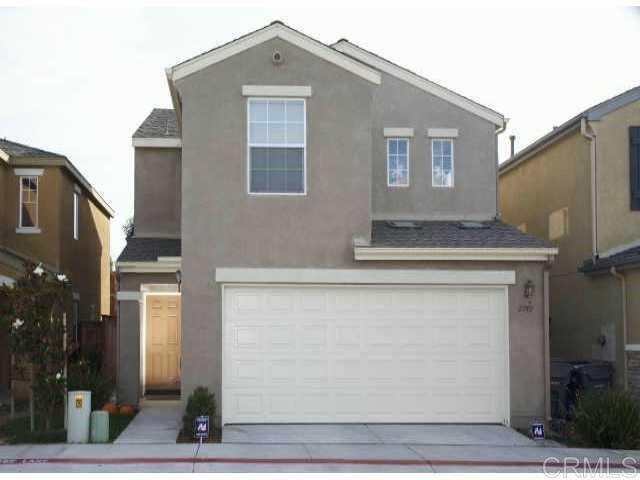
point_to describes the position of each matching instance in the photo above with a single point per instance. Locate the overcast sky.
(79, 82)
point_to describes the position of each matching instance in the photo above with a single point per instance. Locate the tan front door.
(163, 342)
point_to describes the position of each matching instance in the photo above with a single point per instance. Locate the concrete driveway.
(387, 434)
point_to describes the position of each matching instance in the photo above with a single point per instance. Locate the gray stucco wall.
(473, 196)
(157, 200)
(222, 226)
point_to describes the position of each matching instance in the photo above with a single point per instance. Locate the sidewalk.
(302, 457)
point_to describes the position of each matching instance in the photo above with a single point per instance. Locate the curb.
(302, 461)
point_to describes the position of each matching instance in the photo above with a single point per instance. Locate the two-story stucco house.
(579, 187)
(316, 241)
(50, 214)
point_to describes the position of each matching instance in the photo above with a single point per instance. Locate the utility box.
(99, 426)
(78, 413)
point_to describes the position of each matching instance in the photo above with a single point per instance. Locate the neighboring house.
(579, 187)
(315, 241)
(50, 214)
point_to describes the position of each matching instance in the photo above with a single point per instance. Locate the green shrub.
(84, 376)
(200, 402)
(18, 430)
(609, 419)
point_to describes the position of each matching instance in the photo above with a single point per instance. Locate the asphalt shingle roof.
(14, 149)
(161, 123)
(149, 249)
(625, 258)
(452, 234)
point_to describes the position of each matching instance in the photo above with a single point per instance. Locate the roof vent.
(403, 224)
(472, 225)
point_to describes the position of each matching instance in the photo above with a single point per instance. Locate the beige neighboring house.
(50, 214)
(579, 187)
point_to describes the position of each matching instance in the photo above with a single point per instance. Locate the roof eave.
(604, 269)
(542, 254)
(64, 162)
(274, 30)
(418, 81)
(540, 144)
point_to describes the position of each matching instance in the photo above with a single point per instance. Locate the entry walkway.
(158, 421)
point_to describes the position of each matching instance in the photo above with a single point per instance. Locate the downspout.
(623, 288)
(547, 353)
(587, 132)
(498, 131)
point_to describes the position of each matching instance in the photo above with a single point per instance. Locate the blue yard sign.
(537, 431)
(201, 427)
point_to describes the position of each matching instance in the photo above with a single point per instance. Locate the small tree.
(33, 311)
(128, 228)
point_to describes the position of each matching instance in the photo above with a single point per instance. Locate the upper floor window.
(398, 162)
(28, 202)
(442, 162)
(76, 198)
(277, 146)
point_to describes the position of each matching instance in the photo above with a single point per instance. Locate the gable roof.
(594, 113)
(160, 123)
(19, 154)
(418, 81)
(276, 29)
(15, 149)
(141, 249)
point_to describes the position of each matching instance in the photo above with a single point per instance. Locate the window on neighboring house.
(28, 202)
(76, 198)
(398, 162)
(277, 146)
(558, 223)
(442, 162)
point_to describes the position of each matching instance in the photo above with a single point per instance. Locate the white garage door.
(364, 354)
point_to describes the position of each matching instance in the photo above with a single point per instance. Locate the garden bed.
(18, 430)
(117, 423)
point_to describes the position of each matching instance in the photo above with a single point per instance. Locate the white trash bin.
(78, 416)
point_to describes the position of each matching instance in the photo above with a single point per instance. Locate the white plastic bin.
(78, 416)
(99, 426)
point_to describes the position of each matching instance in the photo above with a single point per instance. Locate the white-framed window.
(397, 162)
(442, 162)
(28, 213)
(76, 206)
(276, 145)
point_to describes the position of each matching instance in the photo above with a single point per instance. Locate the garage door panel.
(364, 354)
(378, 302)
(282, 371)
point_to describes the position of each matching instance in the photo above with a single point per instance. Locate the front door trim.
(145, 290)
